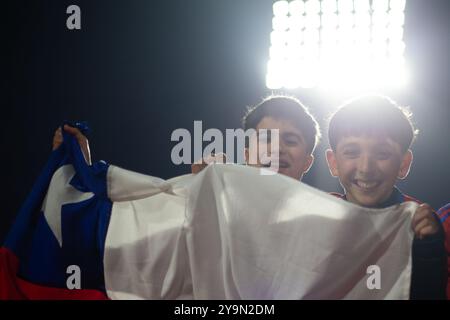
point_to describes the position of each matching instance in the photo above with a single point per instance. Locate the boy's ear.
(332, 163)
(308, 163)
(405, 165)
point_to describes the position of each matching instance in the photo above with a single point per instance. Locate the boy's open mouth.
(366, 185)
(281, 164)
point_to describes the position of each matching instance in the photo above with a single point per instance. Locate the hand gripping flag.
(59, 232)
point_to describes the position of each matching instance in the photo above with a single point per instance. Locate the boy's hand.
(201, 164)
(424, 223)
(82, 140)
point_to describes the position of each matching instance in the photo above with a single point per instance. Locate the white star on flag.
(59, 193)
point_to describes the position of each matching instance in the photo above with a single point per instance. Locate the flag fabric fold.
(231, 233)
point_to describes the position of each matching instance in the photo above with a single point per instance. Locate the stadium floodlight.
(362, 6)
(281, 8)
(397, 5)
(312, 7)
(296, 7)
(328, 6)
(337, 43)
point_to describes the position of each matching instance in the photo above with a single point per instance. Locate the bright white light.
(278, 38)
(345, 6)
(294, 37)
(312, 7)
(294, 52)
(329, 36)
(277, 53)
(311, 36)
(362, 19)
(396, 48)
(296, 22)
(312, 21)
(280, 23)
(346, 20)
(280, 8)
(329, 20)
(308, 77)
(395, 33)
(379, 50)
(362, 6)
(355, 44)
(397, 5)
(362, 34)
(380, 5)
(329, 6)
(396, 18)
(379, 33)
(296, 7)
(380, 19)
(345, 34)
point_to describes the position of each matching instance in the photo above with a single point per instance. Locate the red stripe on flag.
(14, 288)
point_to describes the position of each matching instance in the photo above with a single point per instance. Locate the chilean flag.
(55, 247)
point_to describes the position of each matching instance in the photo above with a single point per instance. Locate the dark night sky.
(137, 70)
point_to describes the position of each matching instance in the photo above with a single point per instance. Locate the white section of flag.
(231, 233)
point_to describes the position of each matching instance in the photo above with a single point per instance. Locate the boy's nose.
(366, 165)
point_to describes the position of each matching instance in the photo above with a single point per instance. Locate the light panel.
(336, 42)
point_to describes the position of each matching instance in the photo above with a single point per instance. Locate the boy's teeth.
(366, 185)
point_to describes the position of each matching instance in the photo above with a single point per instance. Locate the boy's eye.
(350, 153)
(383, 155)
(290, 141)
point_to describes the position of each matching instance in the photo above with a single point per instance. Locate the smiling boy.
(370, 139)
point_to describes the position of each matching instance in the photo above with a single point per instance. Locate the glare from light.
(379, 33)
(280, 23)
(397, 5)
(312, 21)
(380, 5)
(355, 44)
(278, 38)
(395, 33)
(345, 35)
(312, 7)
(294, 37)
(296, 22)
(362, 6)
(379, 50)
(346, 20)
(345, 6)
(281, 8)
(362, 34)
(380, 19)
(296, 7)
(277, 53)
(311, 37)
(329, 6)
(396, 18)
(396, 48)
(329, 20)
(362, 19)
(296, 51)
(329, 36)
